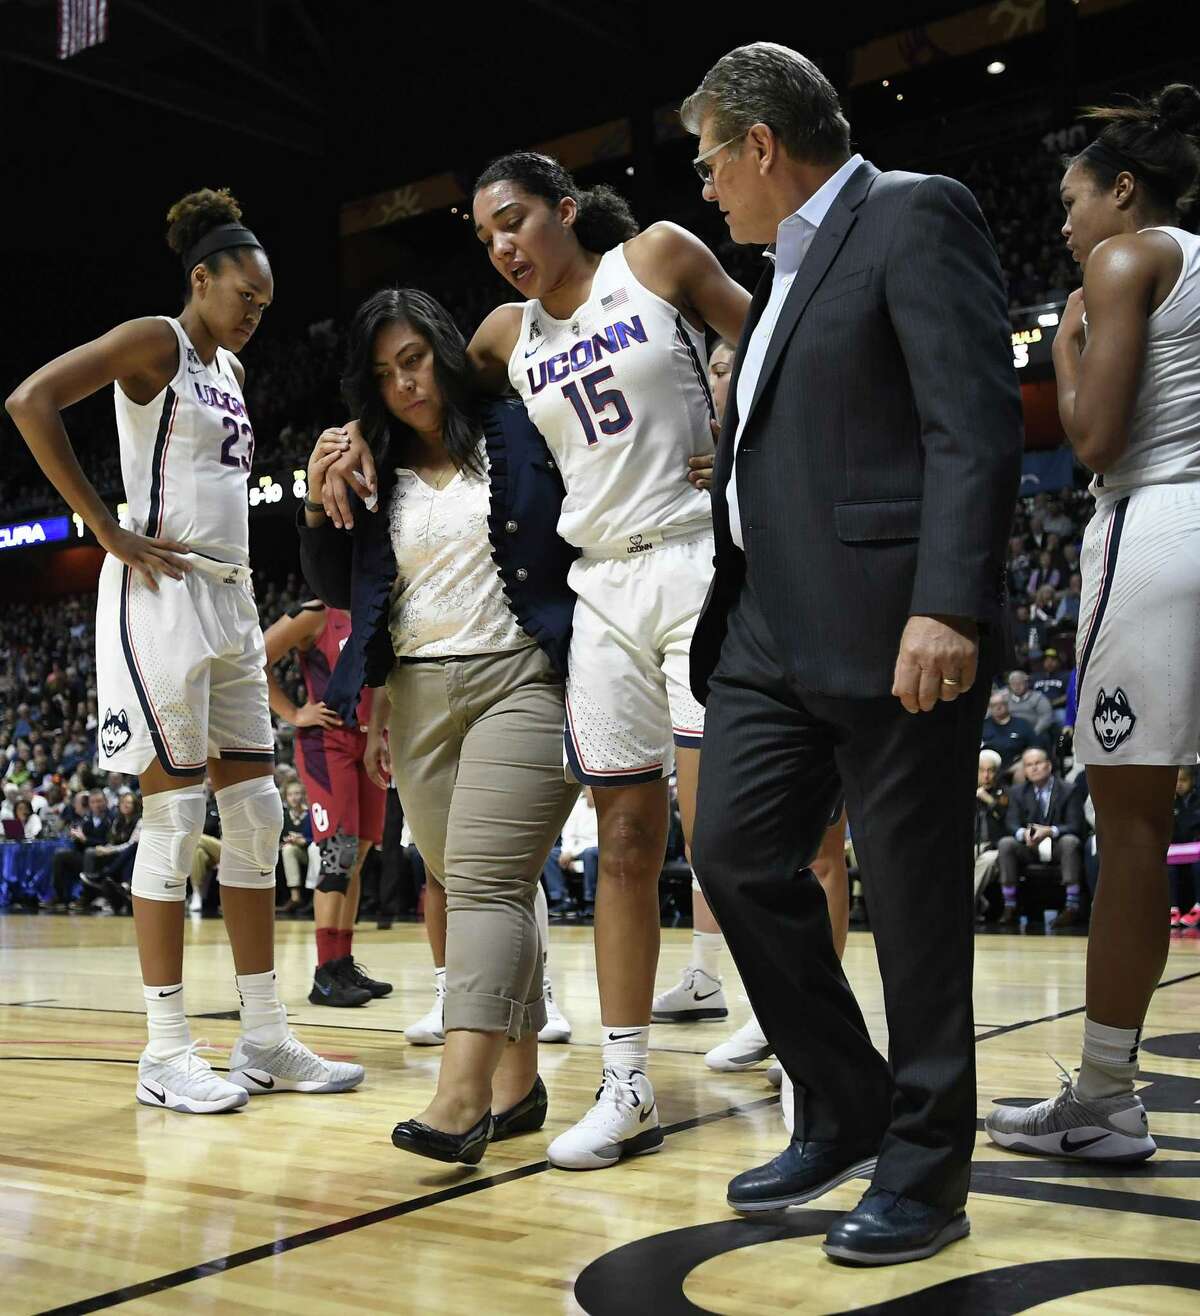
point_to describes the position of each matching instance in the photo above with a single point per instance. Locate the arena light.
(899, 95)
(1048, 319)
(996, 66)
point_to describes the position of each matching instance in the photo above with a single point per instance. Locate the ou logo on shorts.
(320, 817)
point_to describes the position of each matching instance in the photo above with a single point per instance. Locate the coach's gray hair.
(772, 84)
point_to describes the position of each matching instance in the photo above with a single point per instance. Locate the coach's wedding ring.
(949, 680)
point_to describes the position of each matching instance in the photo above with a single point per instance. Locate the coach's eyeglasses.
(704, 170)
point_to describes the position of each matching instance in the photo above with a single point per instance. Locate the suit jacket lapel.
(828, 241)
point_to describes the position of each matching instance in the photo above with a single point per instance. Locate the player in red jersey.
(344, 806)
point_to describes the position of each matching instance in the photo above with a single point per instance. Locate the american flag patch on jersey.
(614, 299)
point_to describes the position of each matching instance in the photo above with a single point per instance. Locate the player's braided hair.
(604, 219)
(1155, 140)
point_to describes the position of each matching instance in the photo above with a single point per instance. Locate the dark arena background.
(351, 132)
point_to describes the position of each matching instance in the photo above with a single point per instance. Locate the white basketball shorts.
(1138, 647)
(629, 698)
(180, 674)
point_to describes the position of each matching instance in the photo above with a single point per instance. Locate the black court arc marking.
(280, 1246)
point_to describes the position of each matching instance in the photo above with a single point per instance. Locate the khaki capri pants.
(477, 758)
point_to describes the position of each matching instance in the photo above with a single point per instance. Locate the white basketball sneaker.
(1111, 1129)
(775, 1074)
(288, 1066)
(623, 1122)
(186, 1083)
(429, 1029)
(694, 998)
(557, 1027)
(745, 1049)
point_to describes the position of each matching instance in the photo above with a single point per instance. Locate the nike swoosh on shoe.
(1068, 1146)
(707, 995)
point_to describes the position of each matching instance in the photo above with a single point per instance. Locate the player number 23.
(599, 400)
(236, 431)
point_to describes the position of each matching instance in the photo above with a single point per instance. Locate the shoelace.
(193, 1057)
(621, 1090)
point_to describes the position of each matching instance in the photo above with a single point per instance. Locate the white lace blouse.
(448, 601)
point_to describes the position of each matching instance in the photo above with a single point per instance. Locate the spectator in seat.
(1027, 704)
(1045, 824)
(1045, 573)
(991, 811)
(90, 831)
(23, 813)
(1184, 892)
(1068, 605)
(1052, 681)
(1009, 736)
(1045, 605)
(301, 858)
(108, 868)
(1029, 634)
(580, 842)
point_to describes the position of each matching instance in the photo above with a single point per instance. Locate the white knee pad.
(172, 823)
(251, 823)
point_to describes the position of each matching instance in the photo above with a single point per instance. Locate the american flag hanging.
(81, 23)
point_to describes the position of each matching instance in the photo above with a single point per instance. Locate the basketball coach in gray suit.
(863, 487)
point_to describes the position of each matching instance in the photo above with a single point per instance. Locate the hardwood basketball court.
(301, 1204)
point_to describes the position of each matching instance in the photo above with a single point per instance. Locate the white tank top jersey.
(1164, 434)
(186, 457)
(620, 394)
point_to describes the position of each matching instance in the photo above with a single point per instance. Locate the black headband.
(218, 239)
(1102, 154)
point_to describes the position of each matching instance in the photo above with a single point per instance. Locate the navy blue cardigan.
(356, 570)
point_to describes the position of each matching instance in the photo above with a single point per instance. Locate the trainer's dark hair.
(1155, 140)
(604, 219)
(772, 84)
(461, 426)
(196, 214)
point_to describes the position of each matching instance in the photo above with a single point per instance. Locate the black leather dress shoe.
(799, 1173)
(463, 1148)
(885, 1229)
(527, 1116)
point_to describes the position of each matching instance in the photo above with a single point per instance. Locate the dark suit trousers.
(774, 760)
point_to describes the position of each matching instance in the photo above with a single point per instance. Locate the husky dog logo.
(1114, 719)
(114, 731)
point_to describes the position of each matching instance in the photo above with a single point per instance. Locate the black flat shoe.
(885, 1229)
(527, 1116)
(463, 1148)
(799, 1173)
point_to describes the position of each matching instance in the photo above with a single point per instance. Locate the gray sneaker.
(1067, 1126)
(288, 1066)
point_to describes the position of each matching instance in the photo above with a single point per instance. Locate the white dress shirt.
(792, 241)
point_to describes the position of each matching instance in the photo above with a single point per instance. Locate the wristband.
(310, 506)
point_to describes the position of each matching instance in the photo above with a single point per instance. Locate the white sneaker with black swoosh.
(696, 997)
(288, 1066)
(1067, 1126)
(623, 1122)
(186, 1083)
(745, 1049)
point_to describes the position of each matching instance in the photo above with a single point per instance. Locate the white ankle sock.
(264, 1020)
(1110, 1060)
(626, 1048)
(706, 953)
(166, 1023)
(439, 981)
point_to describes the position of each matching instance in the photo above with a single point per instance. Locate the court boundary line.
(351, 1224)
